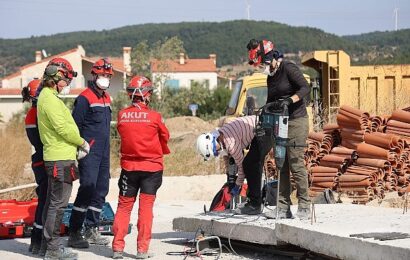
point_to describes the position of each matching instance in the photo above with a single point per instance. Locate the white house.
(10, 97)
(181, 73)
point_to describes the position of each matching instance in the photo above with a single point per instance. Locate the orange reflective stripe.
(72, 173)
(55, 170)
(36, 164)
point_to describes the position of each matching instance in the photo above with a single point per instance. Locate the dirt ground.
(178, 196)
(181, 125)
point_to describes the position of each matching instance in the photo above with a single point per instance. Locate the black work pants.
(253, 167)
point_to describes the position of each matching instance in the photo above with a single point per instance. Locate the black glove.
(287, 102)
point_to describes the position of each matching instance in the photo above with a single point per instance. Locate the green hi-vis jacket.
(58, 131)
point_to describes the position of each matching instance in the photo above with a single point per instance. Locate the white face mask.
(65, 91)
(103, 83)
(266, 71)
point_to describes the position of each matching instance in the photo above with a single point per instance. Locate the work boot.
(283, 213)
(303, 213)
(43, 248)
(145, 255)
(249, 209)
(35, 248)
(94, 237)
(36, 237)
(60, 254)
(76, 240)
(117, 255)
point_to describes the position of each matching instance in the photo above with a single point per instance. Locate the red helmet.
(64, 66)
(139, 86)
(29, 92)
(257, 50)
(33, 86)
(102, 66)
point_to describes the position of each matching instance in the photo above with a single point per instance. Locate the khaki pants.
(294, 162)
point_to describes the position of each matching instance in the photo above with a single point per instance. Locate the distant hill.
(226, 39)
(384, 47)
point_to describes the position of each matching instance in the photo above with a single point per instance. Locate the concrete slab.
(255, 229)
(329, 235)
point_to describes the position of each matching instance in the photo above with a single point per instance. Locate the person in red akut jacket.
(37, 164)
(144, 139)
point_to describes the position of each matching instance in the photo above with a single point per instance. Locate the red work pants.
(144, 224)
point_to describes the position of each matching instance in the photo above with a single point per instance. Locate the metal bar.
(25, 186)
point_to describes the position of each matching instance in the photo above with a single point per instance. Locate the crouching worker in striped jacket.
(232, 138)
(144, 139)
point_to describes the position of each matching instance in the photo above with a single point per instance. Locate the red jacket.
(144, 138)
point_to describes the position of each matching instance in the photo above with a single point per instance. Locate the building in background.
(182, 73)
(10, 97)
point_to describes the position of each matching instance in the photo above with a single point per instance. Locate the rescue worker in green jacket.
(61, 139)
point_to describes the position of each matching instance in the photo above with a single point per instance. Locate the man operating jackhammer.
(232, 138)
(286, 85)
(92, 114)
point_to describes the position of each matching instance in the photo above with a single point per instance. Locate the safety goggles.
(69, 74)
(105, 66)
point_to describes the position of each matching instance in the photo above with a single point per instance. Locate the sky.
(26, 18)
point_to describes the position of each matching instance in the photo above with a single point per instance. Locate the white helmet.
(206, 146)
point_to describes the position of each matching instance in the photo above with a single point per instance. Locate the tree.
(140, 60)
(162, 52)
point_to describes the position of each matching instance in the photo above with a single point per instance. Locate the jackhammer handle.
(272, 107)
(294, 145)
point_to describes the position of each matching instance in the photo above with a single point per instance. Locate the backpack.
(222, 199)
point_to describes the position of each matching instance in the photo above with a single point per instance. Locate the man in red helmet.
(61, 139)
(144, 139)
(287, 85)
(37, 163)
(92, 114)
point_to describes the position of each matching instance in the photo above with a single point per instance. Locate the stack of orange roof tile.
(331, 167)
(319, 145)
(353, 124)
(399, 123)
(376, 162)
(334, 131)
(321, 178)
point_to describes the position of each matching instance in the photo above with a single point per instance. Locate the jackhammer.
(231, 178)
(273, 121)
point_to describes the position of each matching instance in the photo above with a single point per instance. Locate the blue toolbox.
(106, 220)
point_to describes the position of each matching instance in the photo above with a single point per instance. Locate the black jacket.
(287, 81)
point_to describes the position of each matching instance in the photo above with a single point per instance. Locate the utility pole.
(396, 15)
(248, 9)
